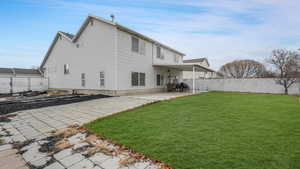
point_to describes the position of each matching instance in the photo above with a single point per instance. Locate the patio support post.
(193, 79)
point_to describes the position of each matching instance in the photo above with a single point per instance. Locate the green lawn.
(215, 130)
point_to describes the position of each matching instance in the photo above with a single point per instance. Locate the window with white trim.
(159, 80)
(66, 69)
(102, 79)
(159, 52)
(138, 79)
(134, 44)
(176, 58)
(142, 79)
(142, 47)
(83, 79)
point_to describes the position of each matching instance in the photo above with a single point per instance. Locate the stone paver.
(55, 165)
(84, 164)
(71, 160)
(99, 158)
(112, 163)
(5, 147)
(62, 154)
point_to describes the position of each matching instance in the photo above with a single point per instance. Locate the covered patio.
(186, 67)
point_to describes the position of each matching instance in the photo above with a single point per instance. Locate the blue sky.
(221, 30)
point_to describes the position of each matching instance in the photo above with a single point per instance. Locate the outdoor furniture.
(177, 87)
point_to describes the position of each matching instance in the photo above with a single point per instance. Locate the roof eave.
(121, 27)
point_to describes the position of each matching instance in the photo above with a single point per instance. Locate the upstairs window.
(142, 47)
(138, 79)
(138, 45)
(102, 79)
(83, 79)
(159, 52)
(134, 44)
(66, 69)
(176, 58)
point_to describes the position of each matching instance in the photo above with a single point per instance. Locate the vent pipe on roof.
(112, 16)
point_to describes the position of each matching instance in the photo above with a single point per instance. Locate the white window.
(83, 79)
(176, 58)
(134, 44)
(142, 79)
(102, 77)
(138, 45)
(159, 52)
(159, 80)
(134, 78)
(138, 79)
(66, 69)
(142, 47)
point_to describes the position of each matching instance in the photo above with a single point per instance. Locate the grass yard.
(215, 130)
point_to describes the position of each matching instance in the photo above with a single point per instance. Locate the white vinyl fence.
(21, 84)
(257, 85)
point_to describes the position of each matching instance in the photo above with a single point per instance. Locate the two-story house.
(106, 57)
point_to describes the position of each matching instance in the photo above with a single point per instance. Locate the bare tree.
(243, 69)
(286, 66)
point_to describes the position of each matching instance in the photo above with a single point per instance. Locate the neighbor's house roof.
(19, 71)
(196, 60)
(185, 67)
(73, 38)
(6, 71)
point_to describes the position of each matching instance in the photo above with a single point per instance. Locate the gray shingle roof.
(27, 71)
(68, 35)
(6, 71)
(194, 60)
(18, 71)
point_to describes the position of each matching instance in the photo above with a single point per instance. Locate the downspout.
(193, 79)
(116, 61)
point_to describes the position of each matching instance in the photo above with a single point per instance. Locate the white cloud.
(221, 30)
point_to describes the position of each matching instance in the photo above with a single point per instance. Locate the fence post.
(11, 85)
(29, 84)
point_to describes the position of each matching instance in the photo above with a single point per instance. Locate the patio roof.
(185, 67)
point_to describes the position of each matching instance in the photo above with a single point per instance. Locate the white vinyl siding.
(138, 79)
(102, 79)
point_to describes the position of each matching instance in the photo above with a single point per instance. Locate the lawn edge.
(159, 163)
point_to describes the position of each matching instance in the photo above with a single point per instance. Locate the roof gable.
(197, 60)
(73, 38)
